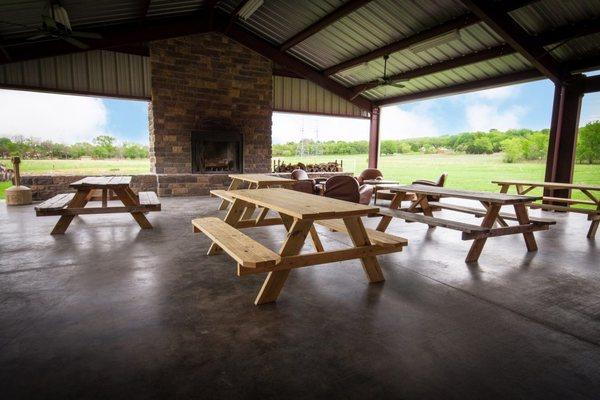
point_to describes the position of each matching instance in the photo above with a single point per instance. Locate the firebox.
(217, 152)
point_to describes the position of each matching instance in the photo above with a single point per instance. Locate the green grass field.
(464, 171)
(475, 172)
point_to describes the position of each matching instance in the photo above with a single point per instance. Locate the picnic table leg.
(232, 218)
(359, 237)
(79, 201)
(394, 204)
(593, 229)
(504, 188)
(251, 207)
(104, 198)
(128, 198)
(297, 231)
(488, 222)
(523, 218)
(235, 183)
(314, 235)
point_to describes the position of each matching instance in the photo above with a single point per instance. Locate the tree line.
(102, 147)
(515, 144)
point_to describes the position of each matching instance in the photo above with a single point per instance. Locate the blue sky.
(69, 119)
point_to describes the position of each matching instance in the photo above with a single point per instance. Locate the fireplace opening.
(214, 153)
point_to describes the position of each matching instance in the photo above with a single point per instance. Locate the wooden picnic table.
(69, 205)
(593, 213)
(298, 212)
(376, 182)
(492, 203)
(251, 181)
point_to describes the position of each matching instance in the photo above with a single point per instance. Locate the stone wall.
(205, 83)
(44, 187)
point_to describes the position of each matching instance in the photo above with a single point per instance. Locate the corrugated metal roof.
(300, 95)
(376, 24)
(103, 73)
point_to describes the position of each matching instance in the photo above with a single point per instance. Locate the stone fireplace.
(217, 152)
(210, 113)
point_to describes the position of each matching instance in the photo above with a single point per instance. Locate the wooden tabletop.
(379, 182)
(302, 205)
(102, 181)
(489, 197)
(261, 178)
(550, 185)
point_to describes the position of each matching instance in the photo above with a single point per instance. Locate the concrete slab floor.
(110, 311)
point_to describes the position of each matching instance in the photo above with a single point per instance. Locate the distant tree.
(105, 147)
(134, 150)
(388, 147)
(513, 149)
(80, 149)
(481, 145)
(588, 144)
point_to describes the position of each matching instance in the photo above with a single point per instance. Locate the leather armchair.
(347, 188)
(304, 183)
(368, 174)
(439, 183)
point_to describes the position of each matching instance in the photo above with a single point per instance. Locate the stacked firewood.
(332, 166)
(6, 174)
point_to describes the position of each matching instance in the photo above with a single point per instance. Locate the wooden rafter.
(292, 64)
(591, 84)
(144, 7)
(468, 59)
(404, 43)
(556, 36)
(513, 34)
(327, 20)
(234, 15)
(516, 77)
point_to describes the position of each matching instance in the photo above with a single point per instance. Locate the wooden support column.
(563, 134)
(374, 137)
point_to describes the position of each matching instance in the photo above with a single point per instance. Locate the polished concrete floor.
(109, 311)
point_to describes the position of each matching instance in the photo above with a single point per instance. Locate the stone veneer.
(206, 82)
(44, 187)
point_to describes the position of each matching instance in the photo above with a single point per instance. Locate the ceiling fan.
(56, 25)
(381, 81)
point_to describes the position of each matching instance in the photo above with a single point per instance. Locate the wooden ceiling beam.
(463, 21)
(126, 34)
(591, 84)
(457, 23)
(292, 64)
(468, 59)
(559, 35)
(340, 12)
(513, 78)
(513, 34)
(233, 16)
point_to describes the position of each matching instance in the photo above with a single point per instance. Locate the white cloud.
(61, 118)
(483, 117)
(293, 127)
(499, 93)
(590, 108)
(397, 123)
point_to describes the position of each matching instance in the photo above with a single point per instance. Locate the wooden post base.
(18, 196)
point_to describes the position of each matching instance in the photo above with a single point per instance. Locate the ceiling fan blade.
(86, 35)
(397, 85)
(38, 37)
(75, 42)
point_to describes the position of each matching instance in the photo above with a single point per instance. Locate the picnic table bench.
(593, 214)
(69, 205)
(298, 212)
(492, 203)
